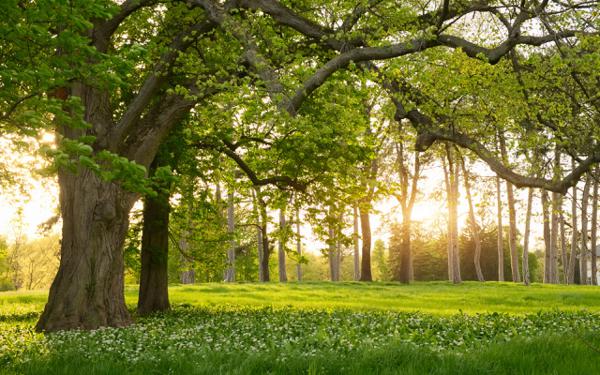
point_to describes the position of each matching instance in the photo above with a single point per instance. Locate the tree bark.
(281, 252)
(406, 274)
(87, 292)
(475, 231)
(547, 242)
(355, 241)
(554, 230)
(365, 226)
(500, 230)
(452, 194)
(332, 255)
(154, 279)
(264, 236)
(298, 246)
(595, 229)
(230, 272)
(512, 219)
(574, 237)
(563, 247)
(583, 256)
(525, 261)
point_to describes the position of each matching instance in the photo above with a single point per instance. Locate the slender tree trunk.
(595, 229)
(500, 230)
(583, 256)
(298, 246)
(365, 224)
(512, 219)
(547, 235)
(355, 241)
(264, 238)
(87, 292)
(574, 237)
(188, 276)
(406, 263)
(154, 280)
(563, 247)
(475, 231)
(332, 254)
(512, 234)
(281, 252)
(259, 237)
(452, 193)
(555, 215)
(230, 273)
(525, 261)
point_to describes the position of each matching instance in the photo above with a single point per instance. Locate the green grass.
(432, 297)
(324, 328)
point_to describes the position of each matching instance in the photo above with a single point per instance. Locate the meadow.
(324, 328)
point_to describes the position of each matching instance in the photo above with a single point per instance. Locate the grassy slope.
(437, 298)
(546, 354)
(434, 297)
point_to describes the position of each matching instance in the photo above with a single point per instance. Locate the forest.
(299, 186)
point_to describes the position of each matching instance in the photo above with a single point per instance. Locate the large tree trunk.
(281, 253)
(583, 255)
(475, 231)
(87, 292)
(230, 272)
(365, 226)
(154, 280)
(355, 241)
(500, 230)
(526, 275)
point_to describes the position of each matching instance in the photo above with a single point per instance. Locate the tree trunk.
(406, 274)
(452, 193)
(281, 252)
(512, 234)
(260, 208)
(563, 247)
(154, 279)
(230, 272)
(546, 231)
(365, 226)
(500, 230)
(574, 225)
(512, 218)
(554, 229)
(87, 292)
(475, 231)
(298, 246)
(356, 246)
(583, 256)
(333, 265)
(595, 229)
(525, 261)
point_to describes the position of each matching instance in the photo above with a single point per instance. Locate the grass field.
(314, 328)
